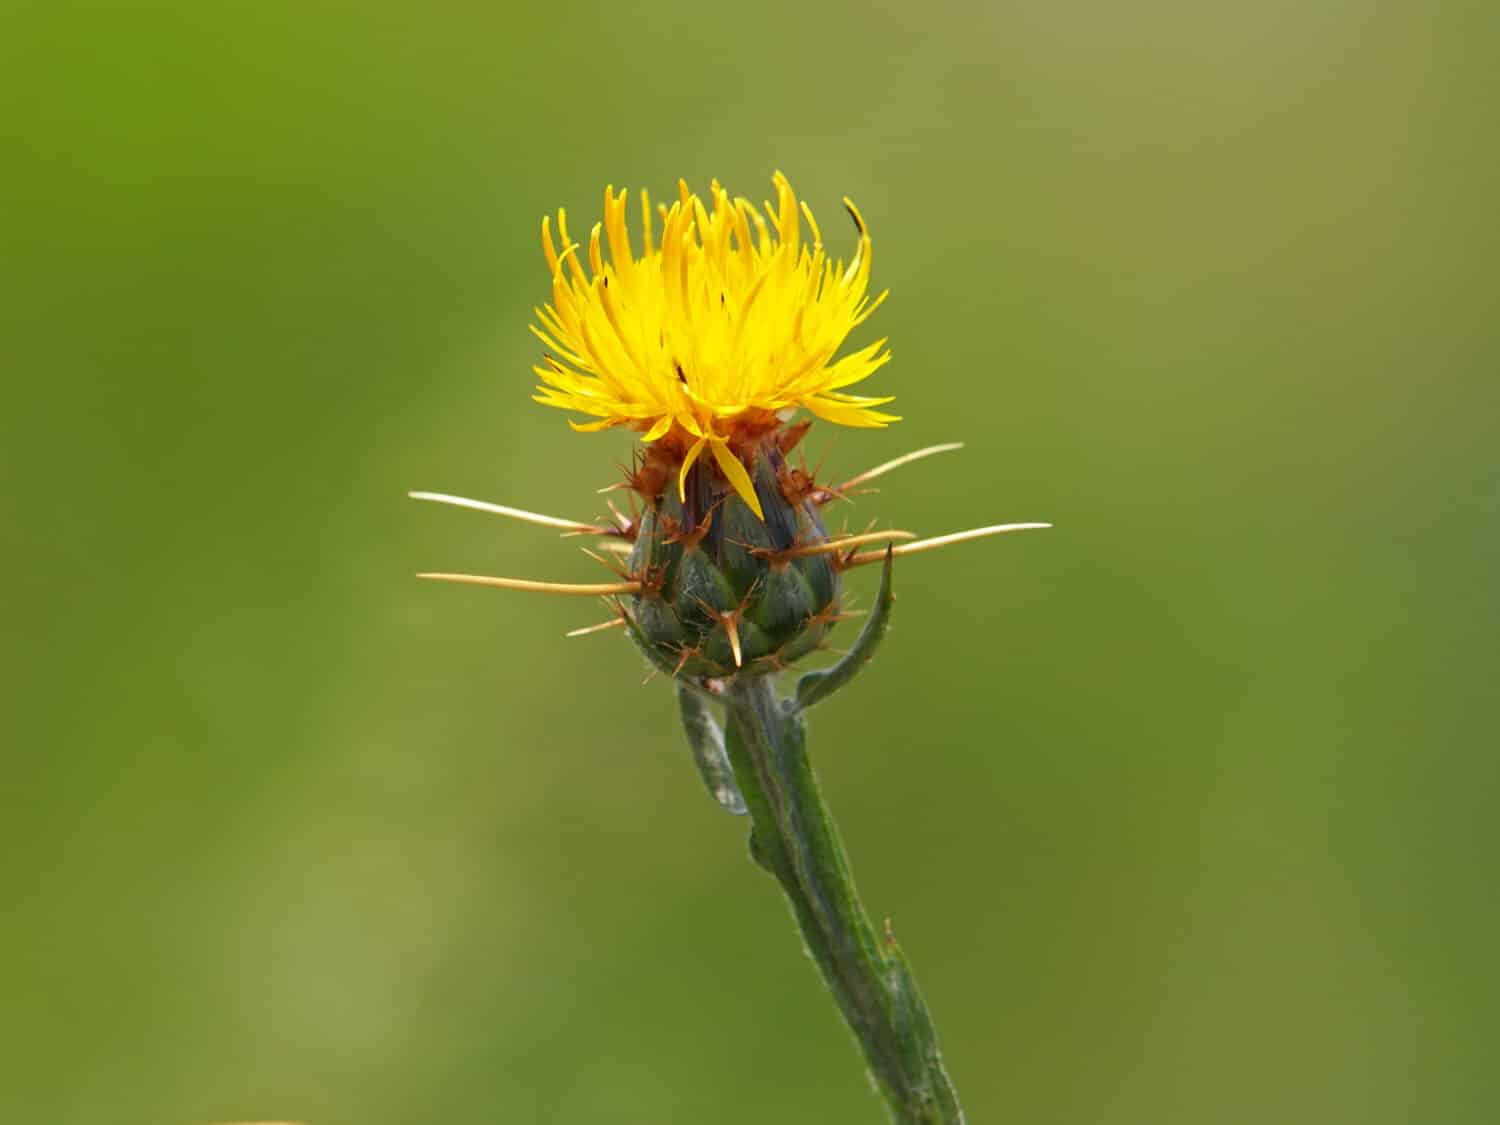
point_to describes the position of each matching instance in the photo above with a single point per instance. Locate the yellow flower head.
(713, 338)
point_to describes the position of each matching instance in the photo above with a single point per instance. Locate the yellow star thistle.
(713, 338)
(712, 341)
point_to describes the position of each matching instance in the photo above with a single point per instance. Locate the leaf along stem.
(706, 741)
(819, 685)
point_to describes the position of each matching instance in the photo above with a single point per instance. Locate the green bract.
(713, 575)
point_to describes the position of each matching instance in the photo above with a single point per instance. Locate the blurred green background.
(1184, 810)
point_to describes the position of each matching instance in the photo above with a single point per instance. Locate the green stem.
(794, 838)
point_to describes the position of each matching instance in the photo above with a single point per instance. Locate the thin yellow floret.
(726, 324)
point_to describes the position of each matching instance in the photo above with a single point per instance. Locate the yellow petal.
(732, 313)
(737, 476)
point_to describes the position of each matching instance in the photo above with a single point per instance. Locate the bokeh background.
(1184, 810)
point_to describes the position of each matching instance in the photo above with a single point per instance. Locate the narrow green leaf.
(707, 743)
(818, 686)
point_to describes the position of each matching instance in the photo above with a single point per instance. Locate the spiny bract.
(723, 588)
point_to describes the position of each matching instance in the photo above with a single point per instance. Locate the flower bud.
(723, 591)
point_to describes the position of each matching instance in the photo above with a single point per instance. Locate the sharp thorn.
(832, 546)
(904, 459)
(513, 513)
(612, 623)
(732, 629)
(578, 589)
(609, 564)
(942, 541)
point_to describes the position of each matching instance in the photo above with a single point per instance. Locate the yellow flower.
(713, 338)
